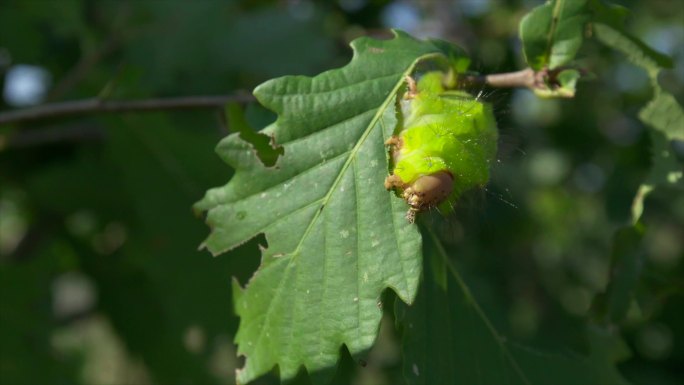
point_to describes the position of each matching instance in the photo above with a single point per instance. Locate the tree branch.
(93, 106)
(545, 82)
(526, 78)
(80, 132)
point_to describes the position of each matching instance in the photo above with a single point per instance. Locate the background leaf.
(627, 262)
(551, 34)
(448, 339)
(336, 238)
(663, 113)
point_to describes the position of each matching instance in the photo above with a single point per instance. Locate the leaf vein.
(323, 131)
(299, 93)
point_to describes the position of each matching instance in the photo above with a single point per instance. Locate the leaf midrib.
(350, 85)
(555, 19)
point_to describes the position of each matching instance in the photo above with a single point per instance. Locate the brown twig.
(82, 132)
(93, 106)
(526, 78)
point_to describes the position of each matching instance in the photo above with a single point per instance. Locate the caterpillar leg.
(396, 143)
(393, 181)
(411, 215)
(412, 88)
(393, 141)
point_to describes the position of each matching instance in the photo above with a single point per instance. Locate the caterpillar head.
(427, 191)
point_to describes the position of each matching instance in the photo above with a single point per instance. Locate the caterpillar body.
(443, 147)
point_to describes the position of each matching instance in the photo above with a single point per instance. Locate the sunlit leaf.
(336, 238)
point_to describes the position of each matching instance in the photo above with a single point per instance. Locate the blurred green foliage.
(100, 280)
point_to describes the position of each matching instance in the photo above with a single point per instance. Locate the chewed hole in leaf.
(264, 145)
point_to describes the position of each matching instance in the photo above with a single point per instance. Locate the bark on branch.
(543, 81)
(93, 106)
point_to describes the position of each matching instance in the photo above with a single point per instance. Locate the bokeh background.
(100, 278)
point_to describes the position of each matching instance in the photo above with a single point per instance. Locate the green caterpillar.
(444, 146)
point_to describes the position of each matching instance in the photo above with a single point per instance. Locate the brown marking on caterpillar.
(393, 181)
(393, 141)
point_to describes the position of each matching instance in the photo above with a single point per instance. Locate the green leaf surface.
(551, 33)
(663, 114)
(336, 238)
(448, 339)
